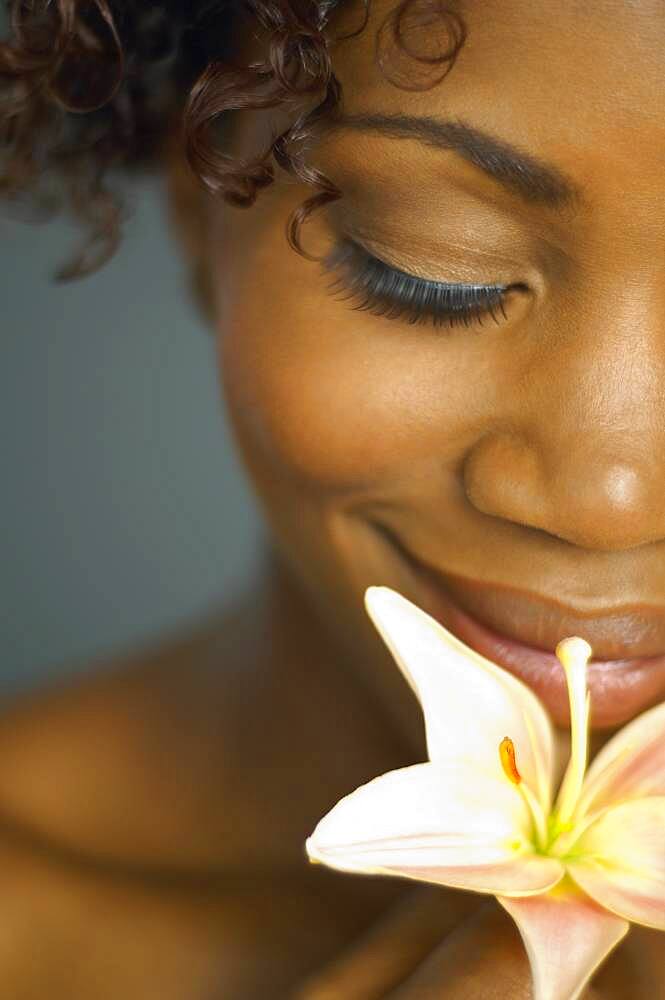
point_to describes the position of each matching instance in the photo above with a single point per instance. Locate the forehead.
(581, 84)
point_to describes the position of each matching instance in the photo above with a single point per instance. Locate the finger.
(392, 948)
(482, 959)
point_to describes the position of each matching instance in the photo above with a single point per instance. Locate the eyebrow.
(532, 179)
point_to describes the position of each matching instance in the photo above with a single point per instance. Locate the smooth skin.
(154, 814)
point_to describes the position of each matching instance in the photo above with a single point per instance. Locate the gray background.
(123, 509)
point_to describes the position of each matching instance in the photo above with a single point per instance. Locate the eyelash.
(385, 291)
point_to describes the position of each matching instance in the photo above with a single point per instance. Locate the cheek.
(325, 398)
(325, 406)
(311, 414)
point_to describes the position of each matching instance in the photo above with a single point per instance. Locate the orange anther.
(508, 762)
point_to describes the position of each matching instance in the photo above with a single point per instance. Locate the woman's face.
(522, 460)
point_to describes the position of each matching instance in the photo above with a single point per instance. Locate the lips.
(519, 631)
(628, 632)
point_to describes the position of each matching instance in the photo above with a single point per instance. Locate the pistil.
(574, 654)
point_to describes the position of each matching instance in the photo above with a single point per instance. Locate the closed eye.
(375, 286)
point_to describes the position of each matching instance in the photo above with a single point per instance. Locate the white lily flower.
(479, 813)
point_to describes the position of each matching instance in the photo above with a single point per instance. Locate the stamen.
(508, 762)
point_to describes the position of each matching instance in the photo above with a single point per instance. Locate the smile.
(621, 684)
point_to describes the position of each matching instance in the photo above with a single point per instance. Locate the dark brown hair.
(91, 85)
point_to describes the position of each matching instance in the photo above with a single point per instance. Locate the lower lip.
(620, 689)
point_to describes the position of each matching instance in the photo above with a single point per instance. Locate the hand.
(436, 943)
(444, 945)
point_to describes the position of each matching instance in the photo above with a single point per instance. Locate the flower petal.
(621, 861)
(630, 766)
(469, 703)
(566, 936)
(436, 824)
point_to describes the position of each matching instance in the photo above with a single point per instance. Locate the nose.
(578, 449)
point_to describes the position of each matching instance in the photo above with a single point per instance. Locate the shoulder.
(215, 748)
(95, 763)
(76, 929)
(169, 793)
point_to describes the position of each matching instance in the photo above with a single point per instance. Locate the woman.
(491, 450)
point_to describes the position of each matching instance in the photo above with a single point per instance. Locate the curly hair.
(87, 86)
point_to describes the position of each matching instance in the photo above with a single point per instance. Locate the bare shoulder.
(217, 747)
(77, 931)
(158, 807)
